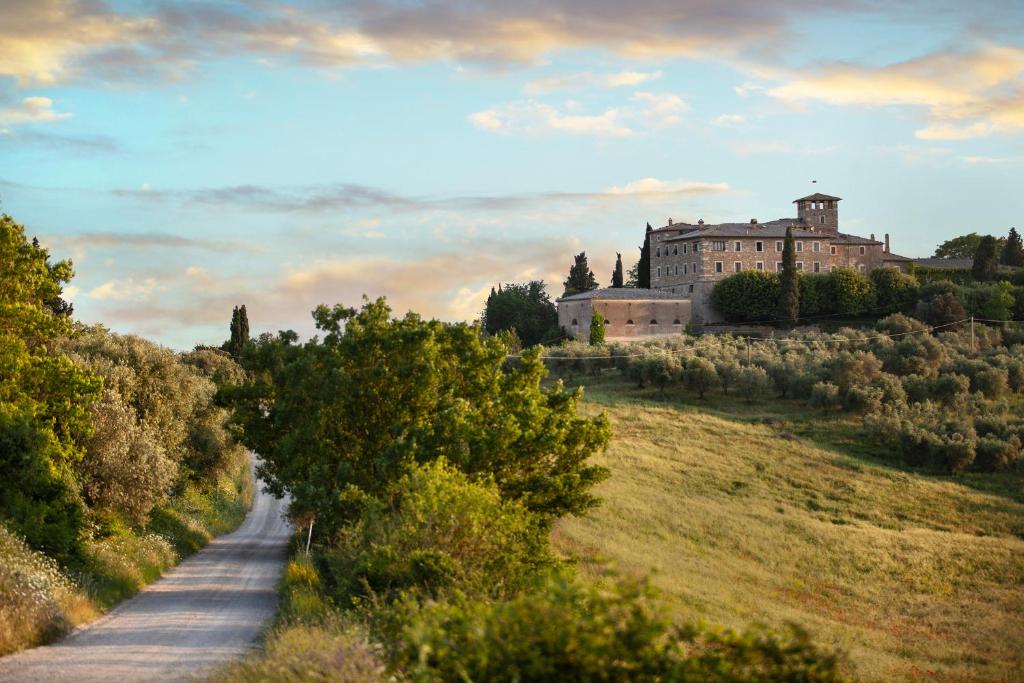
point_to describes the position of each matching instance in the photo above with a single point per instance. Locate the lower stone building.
(629, 313)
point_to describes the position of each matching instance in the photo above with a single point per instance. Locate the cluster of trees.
(949, 401)
(756, 295)
(525, 310)
(96, 429)
(434, 468)
(1008, 251)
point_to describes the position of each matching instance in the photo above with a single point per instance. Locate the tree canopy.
(524, 308)
(581, 277)
(964, 246)
(618, 279)
(643, 267)
(1013, 251)
(789, 290)
(986, 259)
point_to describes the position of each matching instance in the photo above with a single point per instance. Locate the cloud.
(647, 110)
(31, 110)
(124, 290)
(982, 160)
(654, 186)
(86, 144)
(619, 79)
(728, 119)
(147, 240)
(965, 94)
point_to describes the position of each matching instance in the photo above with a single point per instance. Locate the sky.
(193, 156)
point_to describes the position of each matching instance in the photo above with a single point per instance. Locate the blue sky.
(193, 156)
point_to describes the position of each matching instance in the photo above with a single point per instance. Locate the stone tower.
(819, 211)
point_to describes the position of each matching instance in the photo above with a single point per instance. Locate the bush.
(851, 292)
(994, 454)
(700, 376)
(728, 374)
(748, 295)
(894, 291)
(825, 395)
(432, 532)
(941, 309)
(815, 294)
(563, 631)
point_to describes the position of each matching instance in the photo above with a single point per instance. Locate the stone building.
(629, 313)
(688, 259)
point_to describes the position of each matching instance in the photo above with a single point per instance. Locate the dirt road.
(206, 610)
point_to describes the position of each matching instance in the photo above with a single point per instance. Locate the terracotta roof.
(818, 197)
(622, 293)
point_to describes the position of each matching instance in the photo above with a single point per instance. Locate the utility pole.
(309, 538)
(748, 350)
(972, 334)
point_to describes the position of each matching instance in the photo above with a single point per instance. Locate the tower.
(819, 211)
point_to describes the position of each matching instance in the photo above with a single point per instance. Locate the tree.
(747, 295)
(1013, 251)
(596, 329)
(340, 417)
(525, 308)
(581, 277)
(617, 279)
(894, 291)
(633, 276)
(986, 259)
(700, 375)
(789, 287)
(239, 331)
(643, 267)
(851, 293)
(964, 246)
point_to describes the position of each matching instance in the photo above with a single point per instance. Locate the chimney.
(670, 221)
(872, 237)
(886, 243)
(753, 221)
(700, 222)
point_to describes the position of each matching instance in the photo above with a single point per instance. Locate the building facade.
(689, 259)
(629, 313)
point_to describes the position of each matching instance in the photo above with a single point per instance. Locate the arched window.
(629, 322)
(675, 250)
(654, 322)
(677, 321)
(574, 322)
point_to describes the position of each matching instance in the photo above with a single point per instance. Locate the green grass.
(773, 513)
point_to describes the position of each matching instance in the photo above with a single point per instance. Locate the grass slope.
(772, 513)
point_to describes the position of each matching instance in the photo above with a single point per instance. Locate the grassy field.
(773, 513)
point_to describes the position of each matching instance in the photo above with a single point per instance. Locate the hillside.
(772, 513)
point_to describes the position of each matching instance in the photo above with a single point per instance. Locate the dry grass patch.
(915, 576)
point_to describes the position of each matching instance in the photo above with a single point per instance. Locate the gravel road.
(206, 610)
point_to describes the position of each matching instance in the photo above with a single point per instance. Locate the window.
(659, 271)
(718, 246)
(815, 247)
(799, 266)
(657, 252)
(832, 250)
(686, 269)
(696, 247)
(738, 266)
(862, 251)
(822, 220)
(677, 270)
(759, 265)
(758, 246)
(691, 289)
(739, 246)
(718, 266)
(778, 266)
(860, 267)
(677, 321)
(685, 249)
(574, 322)
(654, 322)
(799, 246)
(817, 266)
(778, 247)
(675, 250)
(629, 322)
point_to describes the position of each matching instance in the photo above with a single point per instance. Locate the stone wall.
(626, 318)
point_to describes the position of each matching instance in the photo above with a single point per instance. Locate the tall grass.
(784, 520)
(39, 602)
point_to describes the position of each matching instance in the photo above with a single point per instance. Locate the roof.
(889, 256)
(843, 238)
(776, 228)
(818, 197)
(945, 263)
(622, 293)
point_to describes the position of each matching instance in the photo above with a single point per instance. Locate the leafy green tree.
(581, 277)
(964, 246)
(941, 309)
(643, 267)
(789, 287)
(239, 331)
(597, 329)
(336, 419)
(986, 259)
(617, 274)
(752, 382)
(525, 308)
(633, 276)
(1013, 251)
(700, 376)
(747, 295)
(894, 291)
(851, 293)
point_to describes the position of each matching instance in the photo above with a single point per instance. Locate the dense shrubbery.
(925, 395)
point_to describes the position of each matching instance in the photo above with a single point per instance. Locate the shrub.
(854, 369)
(895, 291)
(563, 631)
(825, 395)
(753, 383)
(851, 292)
(728, 373)
(994, 454)
(815, 294)
(434, 531)
(863, 399)
(748, 295)
(700, 376)
(941, 309)
(596, 328)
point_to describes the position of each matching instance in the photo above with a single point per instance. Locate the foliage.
(942, 309)
(435, 531)
(239, 332)
(643, 266)
(747, 296)
(752, 383)
(597, 328)
(581, 278)
(852, 292)
(964, 246)
(1013, 250)
(894, 291)
(700, 376)
(525, 308)
(789, 287)
(565, 631)
(337, 419)
(986, 259)
(617, 273)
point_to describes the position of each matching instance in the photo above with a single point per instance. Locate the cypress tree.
(617, 274)
(243, 327)
(644, 266)
(581, 278)
(789, 296)
(597, 329)
(239, 331)
(986, 259)
(1013, 252)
